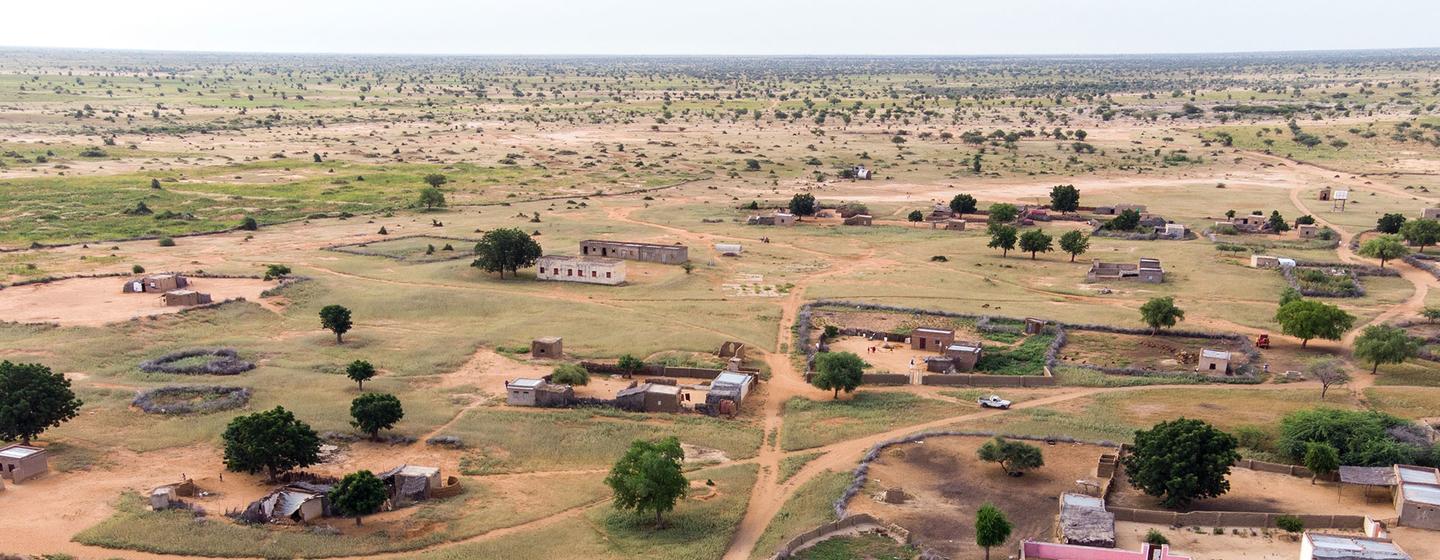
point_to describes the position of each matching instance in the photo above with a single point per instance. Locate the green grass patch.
(816, 423)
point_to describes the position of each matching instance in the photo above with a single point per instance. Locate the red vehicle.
(1263, 341)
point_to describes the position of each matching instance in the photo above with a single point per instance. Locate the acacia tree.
(991, 528)
(1075, 243)
(1384, 344)
(837, 371)
(648, 477)
(629, 364)
(1306, 319)
(431, 197)
(435, 180)
(1003, 237)
(963, 204)
(272, 440)
(1014, 457)
(336, 319)
(1384, 247)
(505, 249)
(33, 399)
(1329, 372)
(1064, 198)
(360, 371)
(358, 494)
(373, 412)
(1181, 460)
(1035, 241)
(1161, 313)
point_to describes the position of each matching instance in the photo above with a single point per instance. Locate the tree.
(1329, 372)
(570, 374)
(336, 319)
(975, 163)
(373, 412)
(1075, 243)
(1064, 198)
(1155, 538)
(962, 204)
(431, 197)
(358, 494)
(802, 204)
(1384, 247)
(838, 371)
(435, 180)
(1126, 220)
(360, 371)
(1421, 233)
(1384, 344)
(1306, 319)
(154, 183)
(629, 364)
(991, 528)
(1290, 294)
(316, 157)
(1035, 241)
(1181, 460)
(1161, 313)
(1390, 223)
(1003, 237)
(505, 249)
(276, 271)
(249, 224)
(1321, 459)
(1277, 222)
(33, 399)
(915, 216)
(1003, 213)
(648, 477)
(1431, 313)
(1014, 457)
(272, 440)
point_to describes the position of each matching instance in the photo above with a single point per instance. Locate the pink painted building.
(1031, 550)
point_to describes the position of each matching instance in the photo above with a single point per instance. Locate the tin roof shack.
(1321, 546)
(649, 397)
(299, 502)
(408, 484)
(538, 392)
(1214, 362)
(1147, 270)
(1417, 497)
(937, 340)
(730, 385)
(964, 355)
(547, 347)
(155, 283)
(168, 496)
(647, 252)
(1084, 521)
(729, 249)
(859, 220)
(589, 270)
(185, 298)
(22, 462)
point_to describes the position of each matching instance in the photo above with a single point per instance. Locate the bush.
(1155, 537)
(1362, 437)
(167, 242)
(1290, 523)
(570, 374)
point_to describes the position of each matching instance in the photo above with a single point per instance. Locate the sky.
(721, 27)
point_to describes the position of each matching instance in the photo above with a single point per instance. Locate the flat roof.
(19, 451)
(548, 339)
(1082, 500)
(581, 258)
(932, 330)
(732, 377)
(963, 348)
(634, 244)
(1421, 493)
(417, 470)
(526, 383)
(1342, 547)
(1214, 354)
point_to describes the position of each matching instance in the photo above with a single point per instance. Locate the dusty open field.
(94, 302)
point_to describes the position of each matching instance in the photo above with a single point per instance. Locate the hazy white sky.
(722, 26)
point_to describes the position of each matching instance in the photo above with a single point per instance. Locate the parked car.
(993, 401)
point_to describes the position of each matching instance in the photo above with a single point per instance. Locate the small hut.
(23, 462)
(547, 347)
(186, 298)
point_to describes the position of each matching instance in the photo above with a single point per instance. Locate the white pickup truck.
(993, 401)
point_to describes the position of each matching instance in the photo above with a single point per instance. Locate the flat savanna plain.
(325, 153)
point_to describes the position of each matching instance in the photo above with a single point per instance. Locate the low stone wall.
(981, 380)
(656, 370)
(450, 489)
(1233, 519)
(884, 379)
(836, 527)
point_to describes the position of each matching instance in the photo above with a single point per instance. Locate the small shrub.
(167, 242)
(1156, 538)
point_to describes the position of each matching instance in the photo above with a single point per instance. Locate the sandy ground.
(1252, 490)
(99, 301)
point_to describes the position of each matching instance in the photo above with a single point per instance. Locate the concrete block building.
(964, 355)
(548, 348)
(1214, 362)
(647, 252)
(1147, 270)
(186, 298)
(537, 392)
(588, 270)
(935, 340)
(23, 462)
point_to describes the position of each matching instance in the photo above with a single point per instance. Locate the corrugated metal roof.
(1215, 354)
(732, 378)
(19, 451)
(526, 383)
(1339, 547)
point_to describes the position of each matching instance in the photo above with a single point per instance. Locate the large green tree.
(1306, 319)
(803, 204)
(991, 528)
(273, 441)
(1384, 344)
(1321, 459)
(1126, 220)
(33, 399)
(505, 249)
(1035, 241)
(1161, 313)
(1421, 233)
(1064, 198)
(648, 477)
(1180, 461)
(372, 412)
(1003, 237)
(357, 495)
(1002, 213)
(838, 371)
(1075, 243)
(431, 197)
(1385, 248)
(336, 319)
(963, 204)
(1390, 223)
(1014, 457)
(360, 371)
